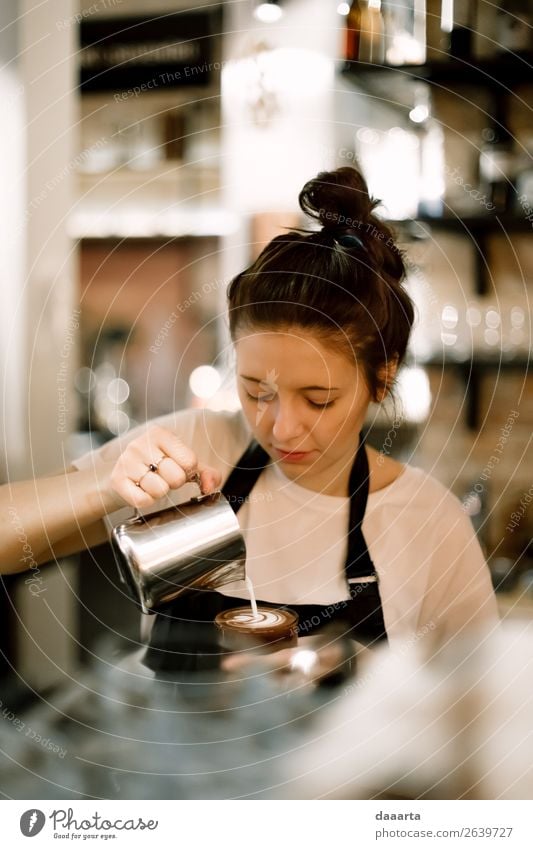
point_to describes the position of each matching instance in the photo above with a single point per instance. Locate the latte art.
(265, 618)
(270, 625)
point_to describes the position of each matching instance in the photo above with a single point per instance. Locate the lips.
(291, 456)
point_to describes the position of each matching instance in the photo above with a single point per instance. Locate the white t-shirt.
(432, 573)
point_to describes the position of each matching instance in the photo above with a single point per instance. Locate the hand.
(155, 463)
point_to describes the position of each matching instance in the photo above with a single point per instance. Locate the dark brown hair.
(343, 282)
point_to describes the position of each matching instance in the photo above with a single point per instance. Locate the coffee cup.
(270, 629)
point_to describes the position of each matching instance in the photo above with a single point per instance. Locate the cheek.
(349, 419)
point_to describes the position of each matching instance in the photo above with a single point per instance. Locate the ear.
(387, 373)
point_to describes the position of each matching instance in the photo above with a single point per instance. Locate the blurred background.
(150, 149)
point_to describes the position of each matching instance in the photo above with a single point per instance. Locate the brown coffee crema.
(272, 627)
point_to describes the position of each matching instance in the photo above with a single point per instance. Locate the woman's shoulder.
(411, 488)
(220, 434)
(383, 470)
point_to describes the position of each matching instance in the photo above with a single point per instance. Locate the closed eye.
(321, 406)
(259, 397)
(271, 398)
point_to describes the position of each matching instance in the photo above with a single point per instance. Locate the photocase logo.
(32, 822)
(270, 387)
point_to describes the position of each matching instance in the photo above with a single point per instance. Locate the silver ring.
(152, 467)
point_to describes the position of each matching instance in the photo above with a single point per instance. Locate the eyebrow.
(302, 389)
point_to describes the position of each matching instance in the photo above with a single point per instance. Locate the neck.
(332, 481)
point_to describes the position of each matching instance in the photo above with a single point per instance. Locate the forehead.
(296, 354)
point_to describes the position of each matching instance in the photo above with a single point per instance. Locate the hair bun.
(337, 198)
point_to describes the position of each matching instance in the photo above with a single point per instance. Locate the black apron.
(184, 636)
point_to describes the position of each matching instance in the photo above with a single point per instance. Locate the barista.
(320, 324)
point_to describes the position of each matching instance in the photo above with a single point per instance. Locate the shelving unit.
(475, 224)
(149, 217)
(394, 82)
(479, 228)
(393, 87)
(472, 371)
(149, 164)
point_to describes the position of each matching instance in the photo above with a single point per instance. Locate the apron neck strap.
(245, 474)
(358, 566)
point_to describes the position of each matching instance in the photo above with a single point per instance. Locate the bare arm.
(54, 516)
(58, 515)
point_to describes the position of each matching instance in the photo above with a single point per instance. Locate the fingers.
(140, 485)
(170, 472)
(133, 494)
(210, 478)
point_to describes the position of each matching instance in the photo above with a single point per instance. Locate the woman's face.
(305, 403)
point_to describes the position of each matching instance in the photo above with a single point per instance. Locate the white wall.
(38, 285)
(267, 162)
(12, 239)
(47, 49)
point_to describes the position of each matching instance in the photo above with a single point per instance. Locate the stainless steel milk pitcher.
(195, 545)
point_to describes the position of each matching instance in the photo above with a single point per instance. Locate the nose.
(287, 425)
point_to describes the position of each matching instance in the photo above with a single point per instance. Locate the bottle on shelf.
(353, 32)
(365, 36)
(372, 42)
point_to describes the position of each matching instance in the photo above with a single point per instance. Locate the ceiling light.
(268, 13)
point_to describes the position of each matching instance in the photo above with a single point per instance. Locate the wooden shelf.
(503, 72)
(470, 224)
(471, 371)
(149, 242)
(481, 362)
(175, 172)
(479, 228)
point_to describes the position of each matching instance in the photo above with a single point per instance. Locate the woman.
(320, 324)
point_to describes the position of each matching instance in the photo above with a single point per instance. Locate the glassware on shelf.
(405, 32)
(372, 42)
(483, 331)
(141, 144)
(455, 336)
(432, 169)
